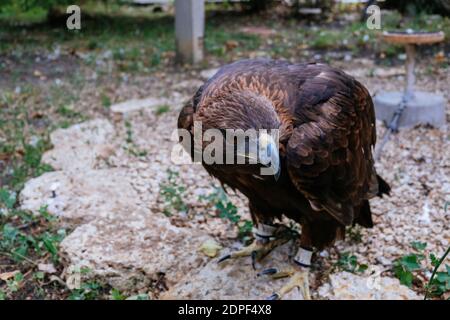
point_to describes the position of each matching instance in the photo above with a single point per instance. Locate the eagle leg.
(261, 247)
(299, 273)
(298, 279)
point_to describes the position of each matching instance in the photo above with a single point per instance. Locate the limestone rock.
(134, 248)
(77, 158)
(348, 286)
(81, 147)
(137, 104)
(234, 279)
(93, 132)
(87, 195)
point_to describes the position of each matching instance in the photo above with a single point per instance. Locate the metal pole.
(410, 75)
(407, 96)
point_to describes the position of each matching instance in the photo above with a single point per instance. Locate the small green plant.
(227, 210)
(7, 199)
(17, 242)
(172, 193)
(405, 266)
(14, 284)
(162, 109)
(131, 147)
(142, 296)
(349, 263)
(89, 290)
(354, 234)
(129, 132)
(440, 280)
(106, 101)
(117, 295)
(67, 111)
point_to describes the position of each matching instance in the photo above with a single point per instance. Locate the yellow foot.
(299, 278)
(259, 249)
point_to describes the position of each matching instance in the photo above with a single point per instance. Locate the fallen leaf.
(210, 248)
(8, 275)
(440, 57)
(231, 44)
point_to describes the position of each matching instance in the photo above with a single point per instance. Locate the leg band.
(264, 232)
(303, 257)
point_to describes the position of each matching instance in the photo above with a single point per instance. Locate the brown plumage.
(327, 132)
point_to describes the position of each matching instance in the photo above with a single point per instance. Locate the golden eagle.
(325, 171)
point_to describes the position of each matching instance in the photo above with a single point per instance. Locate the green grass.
(26, 240)
(130, 146)
(162, 109)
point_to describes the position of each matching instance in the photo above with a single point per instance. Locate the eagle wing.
(329, 155)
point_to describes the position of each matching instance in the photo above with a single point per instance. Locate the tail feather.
(383, 187)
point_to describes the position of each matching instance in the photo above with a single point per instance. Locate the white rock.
(134, 248)
(234, 279)
(92, 132)
(348, 286)
(81, 157)
(138, 104)
(86, 195)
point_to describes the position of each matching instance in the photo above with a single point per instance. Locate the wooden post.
(189, 30)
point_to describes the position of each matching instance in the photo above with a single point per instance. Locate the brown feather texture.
(327, 132)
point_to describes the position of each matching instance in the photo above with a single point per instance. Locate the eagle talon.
(274, 296)
(268, 272)
(258, 249)
(299, 279)
(254, 255)
(222, 259)
(274, 273)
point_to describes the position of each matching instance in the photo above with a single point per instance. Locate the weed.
(172, 193)
(131, 147)
(116, 295)
(106, 101)
(406, 268)
(139, 297)
(406, 265)
(162, 109)
(89, 290)
(349, 263)
(354, 234)
(15, 283)
(227, 210)
(440, 280)
(7, 199)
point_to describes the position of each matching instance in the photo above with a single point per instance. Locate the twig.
(435, 271)
(7, 254)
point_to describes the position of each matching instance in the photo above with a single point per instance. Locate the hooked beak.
(265, 152)
(275, 161)
(269, 156)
